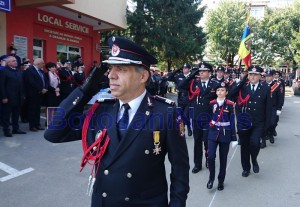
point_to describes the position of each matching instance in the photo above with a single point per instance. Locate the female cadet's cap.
(126, 52)
(255, 69)
(205, 66)
(222, 85)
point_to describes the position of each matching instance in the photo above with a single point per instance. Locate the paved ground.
(47, 175)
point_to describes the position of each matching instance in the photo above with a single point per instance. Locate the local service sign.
(5, 5)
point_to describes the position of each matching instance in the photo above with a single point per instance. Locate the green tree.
(276, 36)
(225, 26)
(169, 29)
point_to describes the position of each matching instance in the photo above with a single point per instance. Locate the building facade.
(56, 30)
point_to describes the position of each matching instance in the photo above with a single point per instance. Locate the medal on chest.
(156, 138)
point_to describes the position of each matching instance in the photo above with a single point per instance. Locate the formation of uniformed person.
(221, 133)
(277, 98)
(253, 110)
(182, 98)
(201, 112)
(128, 137)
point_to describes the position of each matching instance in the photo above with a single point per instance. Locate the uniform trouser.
(185, 111)
(250, 145)
(200, 136)
(12, 112)
(274, 122)
(223, 152)
(1, 115)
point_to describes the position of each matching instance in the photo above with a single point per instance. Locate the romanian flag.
(245, 50)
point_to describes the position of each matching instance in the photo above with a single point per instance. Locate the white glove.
(234, 143)
(278, 112)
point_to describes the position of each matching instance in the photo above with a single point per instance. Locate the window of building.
(66, 52)
(38, 48)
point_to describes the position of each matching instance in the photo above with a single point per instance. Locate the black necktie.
(41, 73)
(252, 90)
(203, 85)
(123, 122)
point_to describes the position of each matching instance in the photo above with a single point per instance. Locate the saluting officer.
(253, 117)
(128, 138)
(68, 83)
(201, 113)
(221, 133)
(277, 98)
(182, 99)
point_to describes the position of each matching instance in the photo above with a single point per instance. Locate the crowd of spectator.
(26, 87)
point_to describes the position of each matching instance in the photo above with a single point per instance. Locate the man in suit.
(35, 88)
(129, 136)
(11, 93)
(201, 112)
(253, 117)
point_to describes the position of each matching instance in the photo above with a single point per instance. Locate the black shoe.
(190, 133)
(8, 134)
(210, 184)
(245, 173)
(274, 133)
(40, 128)
(196, 169)
(18, 132)
(271, 139)
(255, 168)
(33, 129)
(220, 186)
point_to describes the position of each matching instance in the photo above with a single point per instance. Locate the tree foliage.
(225, 26)
(168, 28)
(276, 37)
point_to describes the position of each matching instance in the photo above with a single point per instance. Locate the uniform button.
(147, 152)
(249, 101)
(106, 172)
(248, 108)
(129, 175)
(254, 109)
(104, 194)
(127, 199)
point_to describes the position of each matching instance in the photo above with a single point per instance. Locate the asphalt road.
(36, 173)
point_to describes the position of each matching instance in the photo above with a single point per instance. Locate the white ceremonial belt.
(221, 123)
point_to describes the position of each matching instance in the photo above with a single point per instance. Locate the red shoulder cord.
(243, 101)
(192, 94)
(92, 154)
(273, 88)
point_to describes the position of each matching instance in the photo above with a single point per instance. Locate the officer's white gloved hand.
(278, 112)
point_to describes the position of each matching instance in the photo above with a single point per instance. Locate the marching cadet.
(205, 92)
(278, 77)
(221, 133)
(253, 117)
(277, 97)
(126, 139)
(182, 99)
